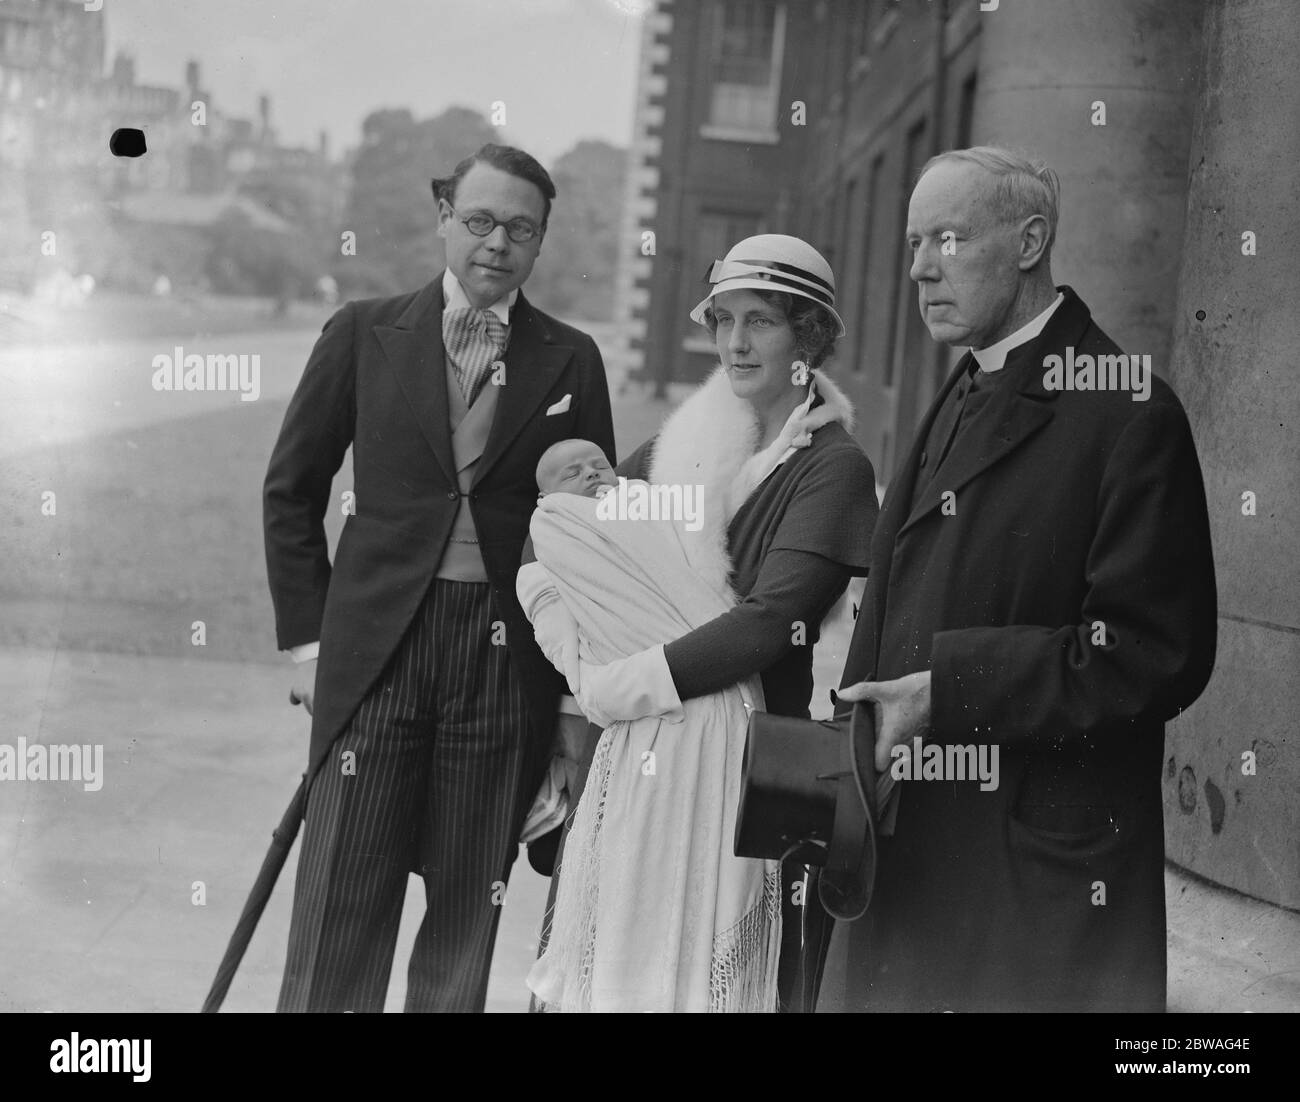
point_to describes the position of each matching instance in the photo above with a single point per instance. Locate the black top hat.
(808, 791)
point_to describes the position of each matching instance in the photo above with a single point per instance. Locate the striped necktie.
(473, 340)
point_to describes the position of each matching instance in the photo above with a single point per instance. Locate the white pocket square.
(562, 406)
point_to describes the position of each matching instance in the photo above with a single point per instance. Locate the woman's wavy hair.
(815, 331)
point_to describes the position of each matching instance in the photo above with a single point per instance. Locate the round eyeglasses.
(480, 223)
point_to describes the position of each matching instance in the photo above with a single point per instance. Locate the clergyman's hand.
(902, 709)
(303, 690)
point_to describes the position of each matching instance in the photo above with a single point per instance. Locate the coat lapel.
(894, 510)
(534, 362)
(415, 353)
(1007, 421)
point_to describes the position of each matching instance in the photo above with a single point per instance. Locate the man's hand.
(571, 733)
(570, 736)
(902, 710)
(303, 690)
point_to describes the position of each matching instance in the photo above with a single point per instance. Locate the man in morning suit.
(1041, 584)
(433, 711)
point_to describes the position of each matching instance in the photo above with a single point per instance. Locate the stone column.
(1048, 70)
(1236, 342)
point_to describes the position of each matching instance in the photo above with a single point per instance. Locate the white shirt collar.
(994, 357)
(456, 299)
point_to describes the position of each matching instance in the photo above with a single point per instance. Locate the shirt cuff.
(305, 652)
(569, 706)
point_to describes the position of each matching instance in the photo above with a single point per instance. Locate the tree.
(575, 274)
(390, 206)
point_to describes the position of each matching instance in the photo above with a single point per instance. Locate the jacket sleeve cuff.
(666, 702)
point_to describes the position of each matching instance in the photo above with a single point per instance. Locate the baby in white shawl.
(653, 911)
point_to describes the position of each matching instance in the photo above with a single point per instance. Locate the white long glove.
(629, 688)
(554, 627)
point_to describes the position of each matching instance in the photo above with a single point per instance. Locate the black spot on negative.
(127, 142)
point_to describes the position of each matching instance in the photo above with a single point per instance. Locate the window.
(966, 112)
(863, 16)
(882, 21)
(715, 232)
(905, 314)
(847, 276)
(865, 316)
(747, 47)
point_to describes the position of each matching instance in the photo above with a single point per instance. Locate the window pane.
(744, 64)
(743, 40)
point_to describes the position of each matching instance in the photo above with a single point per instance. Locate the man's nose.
(497, 240)
(923, 265)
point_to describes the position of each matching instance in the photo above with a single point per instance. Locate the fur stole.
(710, 441)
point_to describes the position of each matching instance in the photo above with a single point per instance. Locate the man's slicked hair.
(1022, 186)
(505, 158)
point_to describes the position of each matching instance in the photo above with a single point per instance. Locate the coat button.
(452, 495)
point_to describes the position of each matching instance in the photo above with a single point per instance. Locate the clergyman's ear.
(1033, 242)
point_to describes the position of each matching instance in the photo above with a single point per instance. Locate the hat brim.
(848, 878)
(742, 284)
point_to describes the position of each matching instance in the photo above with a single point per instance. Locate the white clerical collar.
(994, 357)
(456, 299)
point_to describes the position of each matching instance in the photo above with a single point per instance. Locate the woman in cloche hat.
(650, 917)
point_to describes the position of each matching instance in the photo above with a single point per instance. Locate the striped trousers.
(426, 776)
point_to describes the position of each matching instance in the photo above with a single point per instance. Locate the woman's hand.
(629, 688)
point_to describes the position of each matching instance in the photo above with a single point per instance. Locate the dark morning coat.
(376, 381)
(1072, 509)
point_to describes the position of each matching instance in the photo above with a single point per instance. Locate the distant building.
(58, 108)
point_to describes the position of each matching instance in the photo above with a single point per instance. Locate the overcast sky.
(565, 69)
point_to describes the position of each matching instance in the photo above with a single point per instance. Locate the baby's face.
(574, 467)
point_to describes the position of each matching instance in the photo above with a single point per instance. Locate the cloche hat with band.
(774, 262)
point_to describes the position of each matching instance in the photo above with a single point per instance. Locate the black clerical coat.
(1074, 516)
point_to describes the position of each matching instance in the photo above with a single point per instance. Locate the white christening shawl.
(653, 911)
